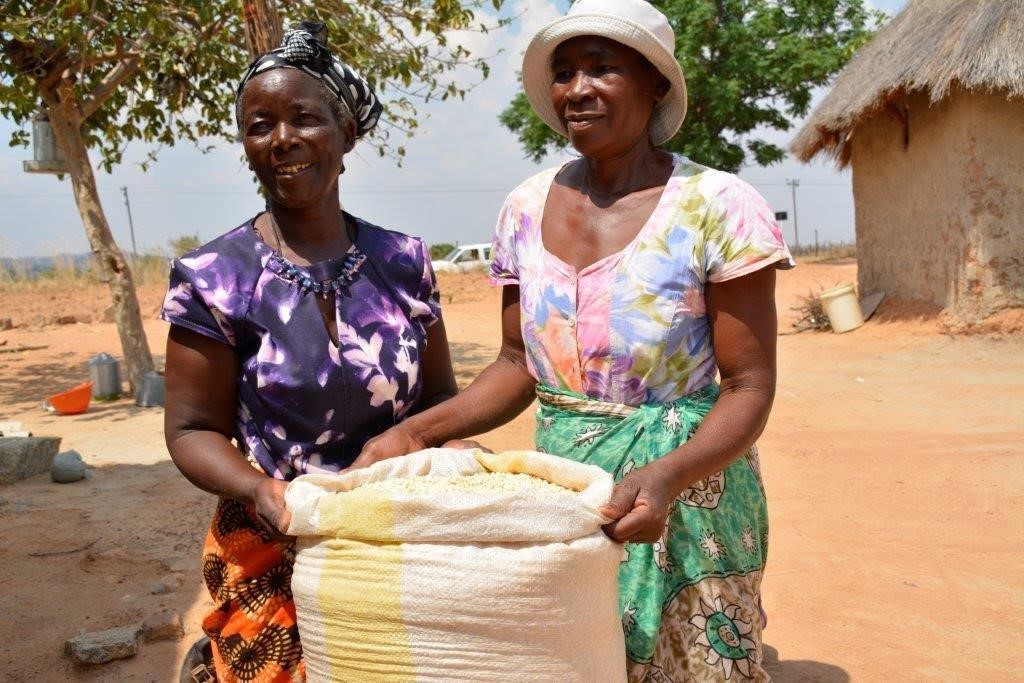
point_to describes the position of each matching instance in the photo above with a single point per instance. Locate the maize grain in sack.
(457, 576)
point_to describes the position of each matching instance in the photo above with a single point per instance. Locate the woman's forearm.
(501, 392)
(730, 428)
(211, 462)
(427, 402)
(744, 327)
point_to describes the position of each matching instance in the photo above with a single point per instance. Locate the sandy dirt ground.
(894, 463)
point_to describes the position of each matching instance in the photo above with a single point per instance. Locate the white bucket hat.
(635, 24)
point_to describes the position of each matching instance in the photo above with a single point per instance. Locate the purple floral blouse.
(304, 403)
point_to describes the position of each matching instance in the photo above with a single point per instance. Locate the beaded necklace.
(326, 277)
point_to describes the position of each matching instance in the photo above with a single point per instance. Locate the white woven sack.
(458, 585)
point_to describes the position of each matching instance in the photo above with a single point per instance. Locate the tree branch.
(53, 77)
(96, 24)
(116, 55)
(114, 78)
(212, 28)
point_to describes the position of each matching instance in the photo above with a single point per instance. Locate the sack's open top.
(337, 505)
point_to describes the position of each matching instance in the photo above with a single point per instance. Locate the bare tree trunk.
(68, 135)
(262, 26)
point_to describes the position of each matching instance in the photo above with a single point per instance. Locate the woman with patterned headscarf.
(294, 339)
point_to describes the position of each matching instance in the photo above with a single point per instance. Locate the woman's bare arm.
(743, 323)
(199, 421)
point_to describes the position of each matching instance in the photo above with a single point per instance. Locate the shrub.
(183, 244)
(440, 250)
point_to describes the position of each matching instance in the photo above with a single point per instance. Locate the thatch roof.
(930, 46)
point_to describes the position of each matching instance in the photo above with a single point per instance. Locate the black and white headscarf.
(301, 50)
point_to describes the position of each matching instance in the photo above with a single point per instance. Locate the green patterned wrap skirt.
(691, 601)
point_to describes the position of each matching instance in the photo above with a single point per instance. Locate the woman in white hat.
(631, 277)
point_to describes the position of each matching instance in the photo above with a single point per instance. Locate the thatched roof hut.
(930, 116)
(931, 46)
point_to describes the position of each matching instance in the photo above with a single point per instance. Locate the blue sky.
(457, 171)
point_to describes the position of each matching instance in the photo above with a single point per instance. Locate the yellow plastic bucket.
(842, 308)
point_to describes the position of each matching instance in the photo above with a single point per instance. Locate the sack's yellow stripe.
(360, 513)
(360, 596)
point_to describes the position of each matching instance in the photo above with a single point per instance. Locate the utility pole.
(131, 226)
(793, 184)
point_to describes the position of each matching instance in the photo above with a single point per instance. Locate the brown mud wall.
(939, 193)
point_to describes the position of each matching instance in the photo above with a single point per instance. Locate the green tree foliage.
(404, 48)
(172, 64)
(440, 250)
(154, 71)
(749, 64)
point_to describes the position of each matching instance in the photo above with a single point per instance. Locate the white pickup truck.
(464, 258)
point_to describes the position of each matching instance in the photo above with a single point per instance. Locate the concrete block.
(100, 647)
(22, 457)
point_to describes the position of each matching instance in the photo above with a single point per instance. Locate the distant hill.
(33, 266)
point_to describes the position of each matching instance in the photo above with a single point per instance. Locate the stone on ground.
(100, 647)
(67, 467)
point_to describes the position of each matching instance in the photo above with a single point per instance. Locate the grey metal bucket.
(151, 393)
(105, 373)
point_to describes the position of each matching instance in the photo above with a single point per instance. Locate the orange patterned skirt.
(248, 573)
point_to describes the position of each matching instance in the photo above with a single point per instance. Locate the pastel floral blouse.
(304, 403)
(631, 328)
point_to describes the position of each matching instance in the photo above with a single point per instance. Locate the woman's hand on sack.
(466, 445)
(268, 499)
(639, 506)
(398, 440)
